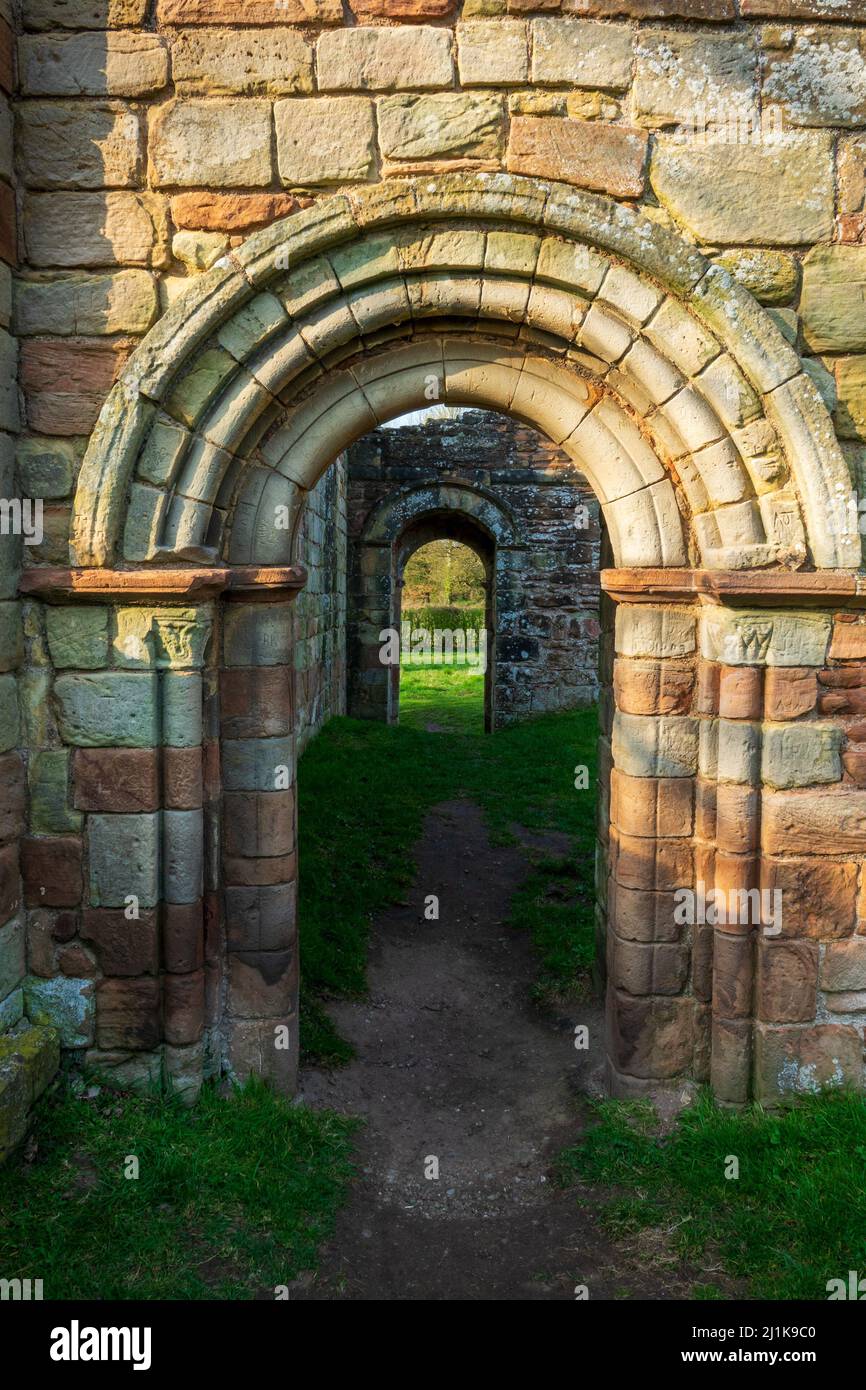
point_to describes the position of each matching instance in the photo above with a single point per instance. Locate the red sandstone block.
(637, 915)
(732, 975)
(255, 873)
(122, 947)
(731, 1064)
(76, 962)
(854, 762)
(702, 1044)
(183, 1003)
(652, 687)
(51, 869)
(707, 692)
(128, 1014)
(843, 677)
(607, 158)
(183, 932)
(365, 10)
(655, 806)
(261, 983)
(851, 228)
(232, 212)
(8, 226)
(661, 865)
(849, 639)
(737, 823)
(705, 809)
(256, 702)
(814, 822)
(182, 778)
(850, 701)
(787, 980)
(789, 691)
(66, 380)
(259, 824)
(808, 1056)
(650, 1038)
(737, 873)
(123, 780)
(13, 796)
(219, 12)
(844, 965)
(741, 692)
(818, 897)
(65, 926)
(72, 365)
(647, 968)
(705, 862)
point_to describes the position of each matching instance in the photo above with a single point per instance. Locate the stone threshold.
(752, 587)
(181, 584)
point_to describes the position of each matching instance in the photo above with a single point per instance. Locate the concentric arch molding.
(705, 441)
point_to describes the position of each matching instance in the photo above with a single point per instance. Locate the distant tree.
(443, 573)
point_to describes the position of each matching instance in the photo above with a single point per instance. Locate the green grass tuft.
(793, 1219)
(556, 905)
(364, 790)
(233, 1197)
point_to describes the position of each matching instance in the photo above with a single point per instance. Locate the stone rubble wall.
(545, 588)
(320, 608)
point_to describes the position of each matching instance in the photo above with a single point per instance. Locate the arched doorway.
(731, 523)
(408, 518)
(456, 644)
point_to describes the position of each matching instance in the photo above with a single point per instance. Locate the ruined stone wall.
(150, 140)
(28, 1054)
(545, 584)
(320, 608)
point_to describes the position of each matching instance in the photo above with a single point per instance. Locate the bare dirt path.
(455, 1063)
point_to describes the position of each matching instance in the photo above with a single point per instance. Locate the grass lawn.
(449, 696)
(795, 1216)
(232, 1198)
(363, 792)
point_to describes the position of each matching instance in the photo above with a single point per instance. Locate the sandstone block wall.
(734, 754)
(320, 609)
(150, 141)
(545, 576)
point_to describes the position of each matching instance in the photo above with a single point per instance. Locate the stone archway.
(727, 503)
(401, 523)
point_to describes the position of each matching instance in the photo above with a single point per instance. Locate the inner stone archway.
(733, 531)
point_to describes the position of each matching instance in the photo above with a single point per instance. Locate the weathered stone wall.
(320, 609)
(150, 140)
(28, 1054)
(147, 146)
(545, 580)
(736, 766)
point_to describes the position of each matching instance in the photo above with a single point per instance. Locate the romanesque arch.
(733, 528)
(267, 333)
(402, 522)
